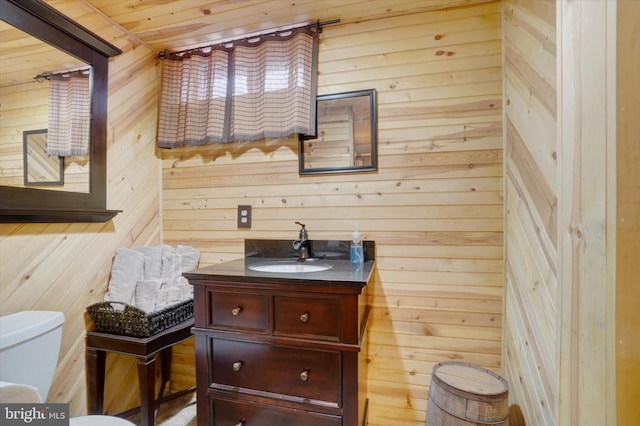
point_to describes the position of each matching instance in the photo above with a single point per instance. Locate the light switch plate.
(244, 216)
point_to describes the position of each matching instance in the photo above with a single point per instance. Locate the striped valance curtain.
(247, 90)
(69, 113)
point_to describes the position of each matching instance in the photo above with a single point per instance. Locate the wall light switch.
(244, 216)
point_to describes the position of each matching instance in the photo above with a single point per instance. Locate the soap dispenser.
(356, 253)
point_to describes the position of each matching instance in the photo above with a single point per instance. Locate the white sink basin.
(289, 267)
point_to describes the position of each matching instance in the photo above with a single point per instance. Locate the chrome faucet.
(302, 243)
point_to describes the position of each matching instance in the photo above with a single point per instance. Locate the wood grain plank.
(627, 215)
(587, 304)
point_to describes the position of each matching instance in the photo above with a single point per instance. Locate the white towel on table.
(189, 258)
(175, 295)
(152, 261)
(126, 270)
(162, 297)
(150, 277)
(186, 289)
(170, 265)
(146, 292)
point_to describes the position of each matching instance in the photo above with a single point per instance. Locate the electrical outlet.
(244, 216)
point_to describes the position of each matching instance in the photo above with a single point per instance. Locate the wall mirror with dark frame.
(40, 168)
(68, 45)
(346, 135)
(41, 92)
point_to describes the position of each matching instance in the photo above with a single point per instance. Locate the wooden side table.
(144, 349)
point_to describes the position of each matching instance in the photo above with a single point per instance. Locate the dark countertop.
(342, 272)
(335, 253)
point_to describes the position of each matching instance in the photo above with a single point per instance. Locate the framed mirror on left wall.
(20, 203)
(34, 97)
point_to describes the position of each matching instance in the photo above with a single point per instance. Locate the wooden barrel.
(464, 394)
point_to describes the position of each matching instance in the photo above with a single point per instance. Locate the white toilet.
(29, 347)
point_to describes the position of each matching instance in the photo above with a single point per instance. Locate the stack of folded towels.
(150, 278)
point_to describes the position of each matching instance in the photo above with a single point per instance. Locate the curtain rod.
(318, 25)
(48, 75)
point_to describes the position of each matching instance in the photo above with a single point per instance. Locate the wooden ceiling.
(182, 24)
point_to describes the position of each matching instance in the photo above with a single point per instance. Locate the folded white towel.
(126, 270)
(175, 295)
(152, 261)
(189, 258)
(162, 297)
(185, 288)
(187, 292)
(170, 265)
(150, 278)
(18, 393)
(146, 291)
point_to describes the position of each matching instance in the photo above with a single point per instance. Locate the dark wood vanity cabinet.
(288, 353)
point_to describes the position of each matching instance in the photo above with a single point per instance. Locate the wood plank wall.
(65, 267)
(586, 39)
(560, 201)
(531, 332)
(628, 214)
(434, 207)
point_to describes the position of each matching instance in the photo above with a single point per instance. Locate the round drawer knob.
(304, 317)
(304, 376)
(241, 423)
(237, 365)
(236, 311)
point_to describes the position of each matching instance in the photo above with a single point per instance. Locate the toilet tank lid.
(25, 325)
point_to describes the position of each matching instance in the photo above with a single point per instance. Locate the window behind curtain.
(250, 91)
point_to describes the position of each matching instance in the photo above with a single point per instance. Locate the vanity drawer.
(233, 310)
(233, 413)
(300, 373)
(305, 316)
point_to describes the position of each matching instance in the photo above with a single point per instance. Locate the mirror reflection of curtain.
(248, 91)
(69, 113)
